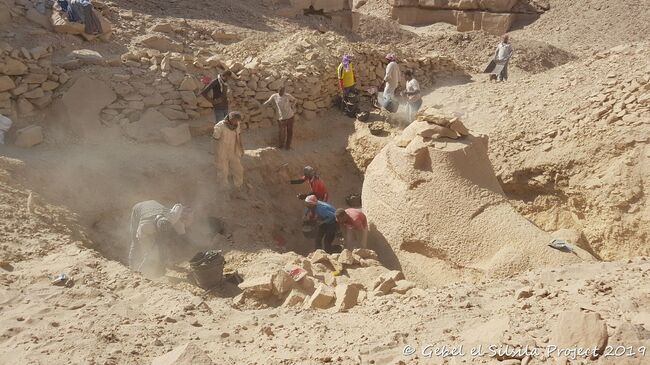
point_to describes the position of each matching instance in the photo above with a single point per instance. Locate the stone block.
(29, 136)
(6, 83)
(259, 287)
(322, 298)
(346, 296)
(178, 135)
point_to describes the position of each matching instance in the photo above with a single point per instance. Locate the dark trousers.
(325, 236)
(220, 113)
(285, 132)
(503, 75)
(347, 90)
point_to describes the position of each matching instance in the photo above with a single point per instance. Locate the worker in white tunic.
(228, 150)
(413, 95)
(391, 79)
(502, 57)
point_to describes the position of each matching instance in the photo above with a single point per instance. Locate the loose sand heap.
(432, 195)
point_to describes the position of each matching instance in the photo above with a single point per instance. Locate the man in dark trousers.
(285, 103)
(324, 216)
(219, 88)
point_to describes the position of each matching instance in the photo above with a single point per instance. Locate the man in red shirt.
(354, 225)
(315, 184)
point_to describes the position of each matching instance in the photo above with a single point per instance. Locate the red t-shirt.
(359, 220)
(317, 187)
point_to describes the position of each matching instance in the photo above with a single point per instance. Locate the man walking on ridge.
(501, 58)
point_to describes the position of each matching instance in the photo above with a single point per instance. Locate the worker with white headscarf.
(391, 79)
(323, 215)
(154, 228)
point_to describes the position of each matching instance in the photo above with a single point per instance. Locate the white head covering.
(180, 217)
(175, 213)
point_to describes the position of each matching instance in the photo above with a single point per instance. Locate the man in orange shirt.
(315, 184)
(354, 225)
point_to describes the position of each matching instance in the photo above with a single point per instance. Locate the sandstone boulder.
(524, 293)
(84, 101)
(282, 282)
(13, 67)
(87, 56)
(148, 127)
(161, 43)
(189, 83)
(24, 107)
(5, 14)
(153, 100)
(163, 28)
(29, 136)
(173, 114)
(346, 296)
(176, 136)
(296, 298)
(224, 37)
(259, 287)
(322, 298)
(346, 257)
(383, 286)
(403, 286)
(6, 83)
(581, 330)
(188, 354)
(458, 174)
(35, 78)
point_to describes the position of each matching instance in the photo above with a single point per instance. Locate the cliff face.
(492, 16)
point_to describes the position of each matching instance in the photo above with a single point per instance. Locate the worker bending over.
(324, 216)
(354, 225)
(154, 229)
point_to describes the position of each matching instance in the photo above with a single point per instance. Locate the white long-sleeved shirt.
(412, 86)
(392, 74)
(504, 51)
(284, 105)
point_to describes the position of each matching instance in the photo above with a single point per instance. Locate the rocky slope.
(108, 315)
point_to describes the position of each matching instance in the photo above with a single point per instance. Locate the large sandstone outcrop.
(438, 200)
(83, 102)
(339, 11)
(492, 16)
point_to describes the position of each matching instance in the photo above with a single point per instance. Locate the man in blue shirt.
(324, 215)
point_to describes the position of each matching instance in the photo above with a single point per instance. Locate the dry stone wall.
(170, 83)
(28, 80)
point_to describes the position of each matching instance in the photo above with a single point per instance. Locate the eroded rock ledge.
(492, 16)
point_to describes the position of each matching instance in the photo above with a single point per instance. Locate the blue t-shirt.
(325, 212)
